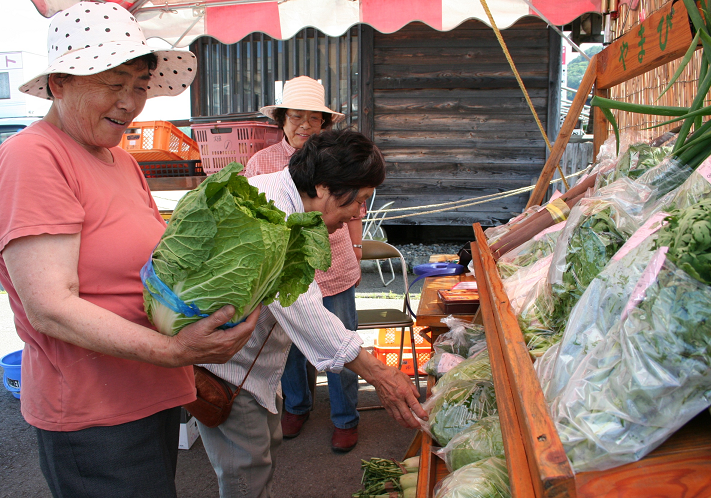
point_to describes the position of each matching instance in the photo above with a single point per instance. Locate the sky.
(22, 28)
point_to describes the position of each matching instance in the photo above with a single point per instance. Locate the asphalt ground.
(305, 467)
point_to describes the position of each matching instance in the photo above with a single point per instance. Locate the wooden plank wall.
(452, 122)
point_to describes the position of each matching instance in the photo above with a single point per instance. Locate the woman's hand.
(396, 391)
(204, 342)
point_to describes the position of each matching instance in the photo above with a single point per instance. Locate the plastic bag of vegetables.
(652, 372)
(634, 162)
(592, 317)
(475, 367)
(483, 479)
(477, 442)
(455, 408)
(463, 339)
(528, 253)
(596, 228)
(226, 244)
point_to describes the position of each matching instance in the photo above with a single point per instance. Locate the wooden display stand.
(536, 461)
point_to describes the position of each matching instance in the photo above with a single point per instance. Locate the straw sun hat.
(305, 94)
(91, 37)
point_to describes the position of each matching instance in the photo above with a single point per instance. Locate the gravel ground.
(417, 254)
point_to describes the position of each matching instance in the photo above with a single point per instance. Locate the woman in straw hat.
(301, 114)
(100, 384)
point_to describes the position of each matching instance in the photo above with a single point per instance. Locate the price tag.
(705, 169)
(648, 277)
(448, 361)
(653, 224)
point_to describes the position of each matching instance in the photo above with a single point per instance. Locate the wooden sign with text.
(662, 37)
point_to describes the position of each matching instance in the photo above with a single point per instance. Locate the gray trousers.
(242, 450)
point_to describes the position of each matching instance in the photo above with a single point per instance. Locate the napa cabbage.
(227, 244)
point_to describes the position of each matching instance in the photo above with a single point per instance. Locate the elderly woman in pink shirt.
(302, 114)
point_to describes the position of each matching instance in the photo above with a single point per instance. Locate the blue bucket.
(11, 364)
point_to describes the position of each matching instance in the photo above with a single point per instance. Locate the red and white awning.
(179, 22)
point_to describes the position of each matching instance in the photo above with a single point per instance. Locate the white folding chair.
(390, 317)
(372, 230)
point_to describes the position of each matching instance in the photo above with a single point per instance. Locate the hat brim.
(174, 73)
(336, 117)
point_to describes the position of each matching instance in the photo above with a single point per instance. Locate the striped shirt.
(318, 333)
(345, 268)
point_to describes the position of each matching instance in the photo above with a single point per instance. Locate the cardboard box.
(188, 430)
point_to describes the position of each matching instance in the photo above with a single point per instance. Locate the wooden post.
(601, 128)
(366, 99)
(566, 130)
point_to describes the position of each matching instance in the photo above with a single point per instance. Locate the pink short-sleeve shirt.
(51, 185)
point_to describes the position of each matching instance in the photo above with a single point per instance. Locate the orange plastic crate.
(222, 143)
(151, 141)
(391, 337)
(386, 348)
(389, 356)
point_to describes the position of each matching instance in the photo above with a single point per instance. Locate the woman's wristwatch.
(358, 246)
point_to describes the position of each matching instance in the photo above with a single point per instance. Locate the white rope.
(473, 201)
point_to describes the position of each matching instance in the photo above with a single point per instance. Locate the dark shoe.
(344, 440)
(291, 424)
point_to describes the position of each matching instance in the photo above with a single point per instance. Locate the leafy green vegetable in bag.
(688, 236)
(227, 244)
(474, 368)
(457, 407)
(637, 160)
(650, 375)
(590, 247)
(483, 479)
(477, 442)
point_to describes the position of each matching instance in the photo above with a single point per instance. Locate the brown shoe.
(344, 440)
(291, 424)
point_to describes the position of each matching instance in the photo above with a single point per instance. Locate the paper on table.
(465, 285)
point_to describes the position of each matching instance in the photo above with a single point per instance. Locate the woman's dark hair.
(149, 60)
(343, 161)
(280, 118)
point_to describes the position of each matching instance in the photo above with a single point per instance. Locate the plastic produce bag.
(455, 408)
(597, 227)
(696, 188)
(477, 442)
(463, 338)
(649, 376)
(534, 317)
(529, 253)
(592, 317)
(474, 368)
(483, 479)
(635, 161)
(461, 341)
(519, 285)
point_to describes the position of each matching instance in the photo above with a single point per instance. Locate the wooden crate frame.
(679, 467)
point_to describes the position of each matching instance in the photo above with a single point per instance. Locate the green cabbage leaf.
(227, 244)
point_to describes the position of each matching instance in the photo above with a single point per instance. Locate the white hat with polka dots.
(92, 37)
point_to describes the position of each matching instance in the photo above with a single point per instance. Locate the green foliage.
(688, 236)
(577, 67)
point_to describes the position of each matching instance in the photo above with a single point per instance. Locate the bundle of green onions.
(383, 478)
(689, 149)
